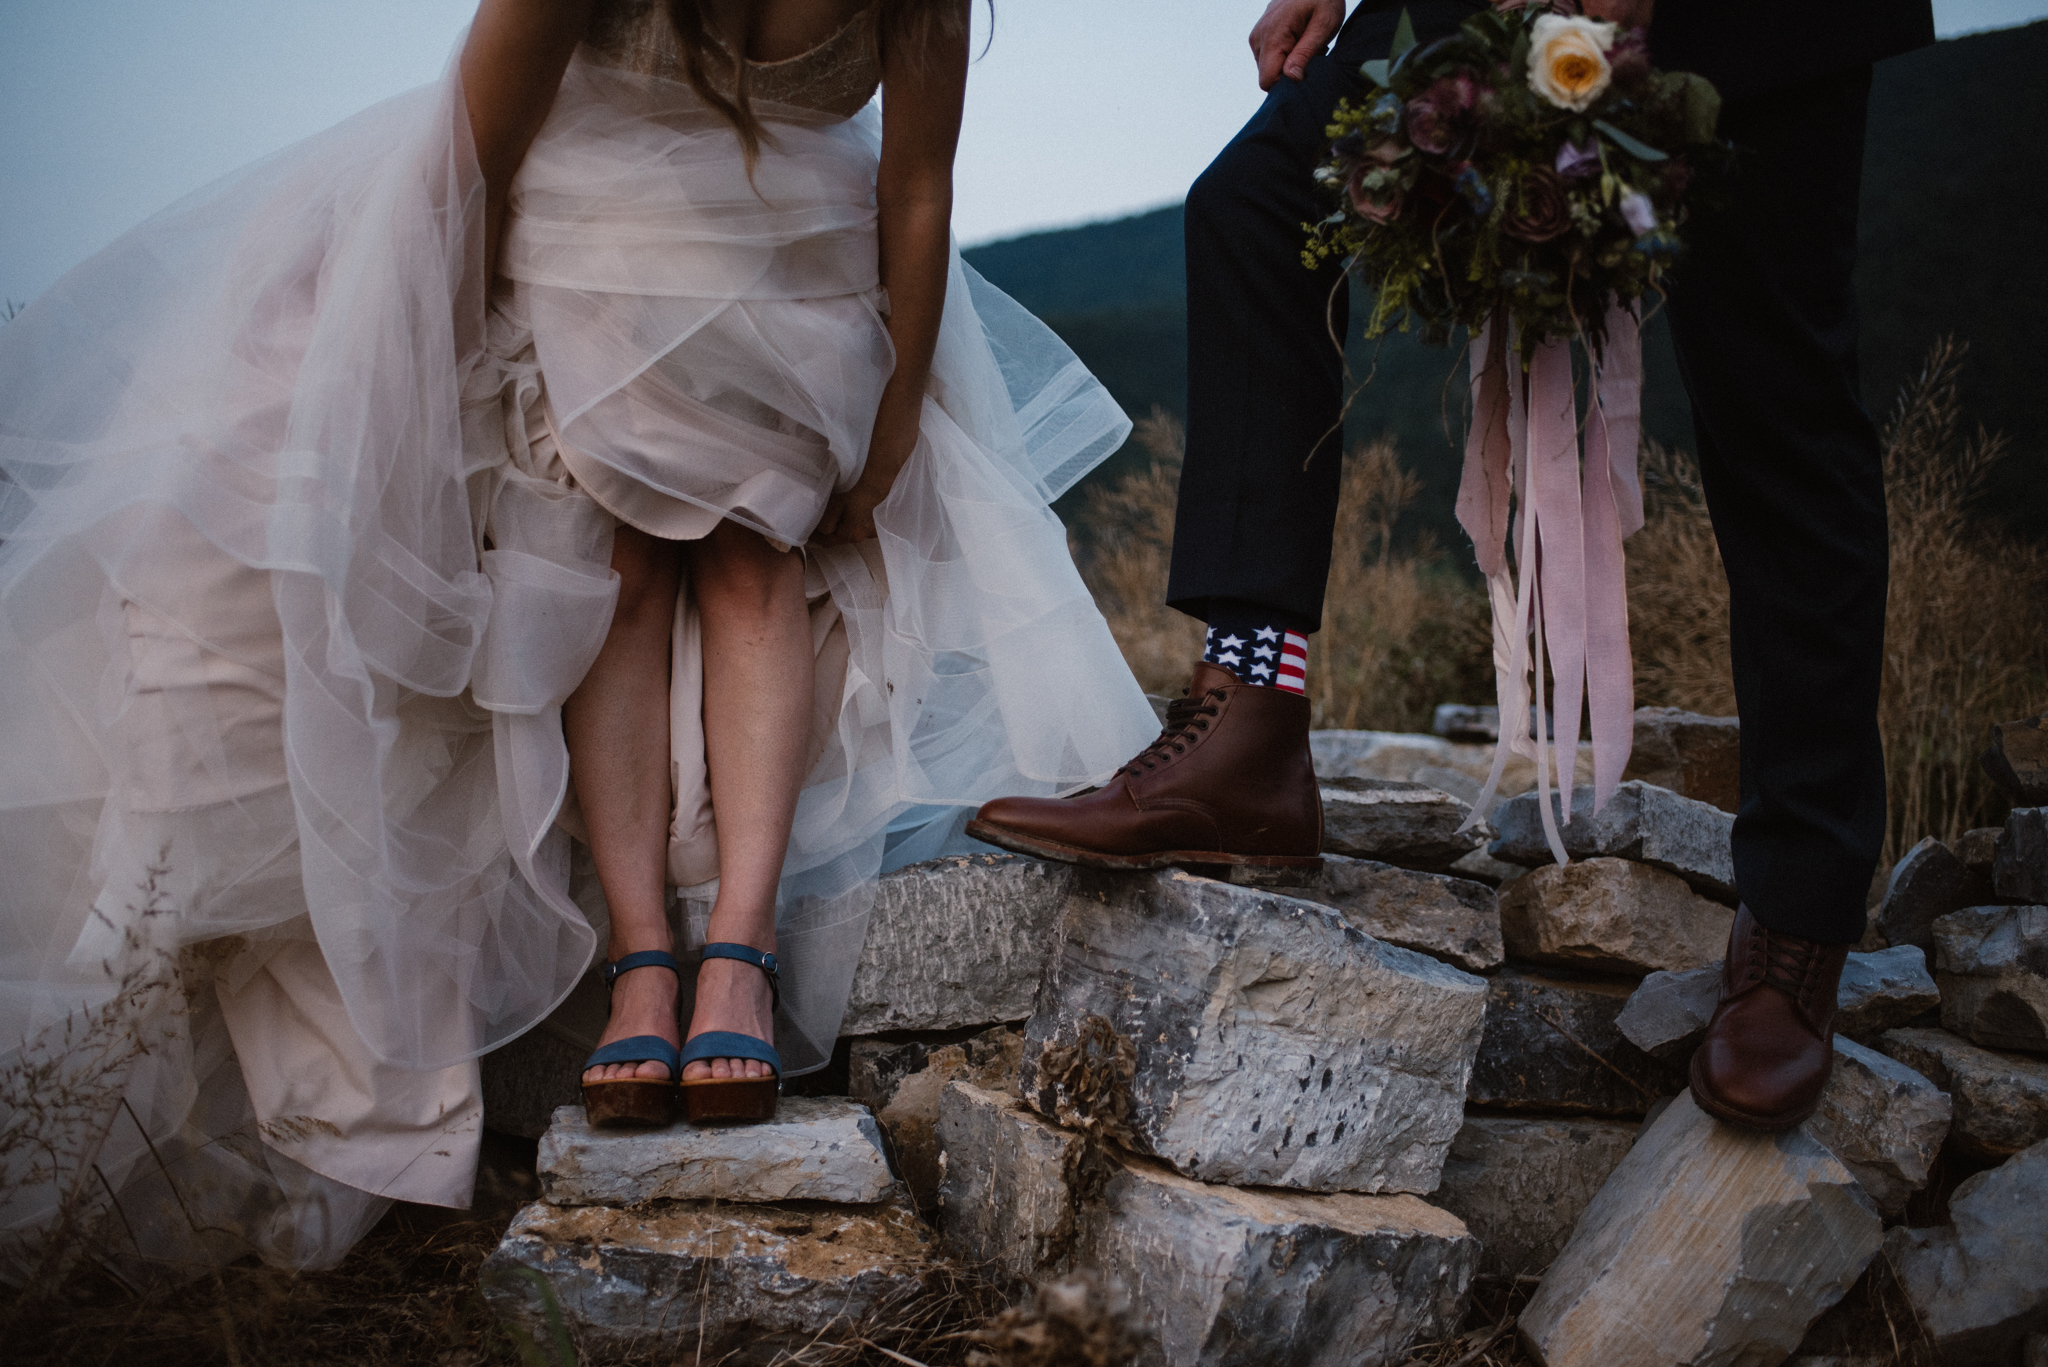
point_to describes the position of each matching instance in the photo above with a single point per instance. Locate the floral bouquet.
(1526, 179)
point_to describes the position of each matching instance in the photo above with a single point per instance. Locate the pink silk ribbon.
(1564, 596)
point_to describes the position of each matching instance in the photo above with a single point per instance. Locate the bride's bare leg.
(616, 723)
(758, 666)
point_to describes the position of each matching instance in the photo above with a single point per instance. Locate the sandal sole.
(1019, 843)
(616, 1105)
(730, 1099)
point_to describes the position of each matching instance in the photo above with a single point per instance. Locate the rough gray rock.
(1694, 756)
(1452, 919)
(816, 1149)
(1648, 824)
(1993, 972)
(1481, 867)
(2019, 865)
(955, 942)
(1881, 990)
(1220, 1275)
(1977, 848)
(1468, 722)
(1647, 1282)
(1232, 1278)
(1551, 1044)
(1884, 1121)
(1980, 1285)
(1612, 916)
(1404, 756)
(1006, 1195)
(1668, 1014)
(1272, 1043)
(748, 1281)
(1395, 822)
(1926, 885)
(1520, 1185)
(2001, 1100)
(902, 1082)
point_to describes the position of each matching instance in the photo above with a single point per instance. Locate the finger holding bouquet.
(1527, 178)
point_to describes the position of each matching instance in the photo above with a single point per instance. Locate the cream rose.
(1568, 59)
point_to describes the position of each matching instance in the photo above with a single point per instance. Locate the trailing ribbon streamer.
(1564, 594)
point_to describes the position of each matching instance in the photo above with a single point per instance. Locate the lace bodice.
(838, 76)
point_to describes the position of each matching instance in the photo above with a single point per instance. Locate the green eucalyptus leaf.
(1404, 38)
(1375, 71)
(1702, 109)
(1641, 151)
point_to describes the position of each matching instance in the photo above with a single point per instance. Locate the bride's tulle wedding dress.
(304, 541)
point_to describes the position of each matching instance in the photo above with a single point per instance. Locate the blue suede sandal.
(734, 1098)
(638, 1100)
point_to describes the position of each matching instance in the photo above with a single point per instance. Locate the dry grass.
(1401, 631)
(1966, 625)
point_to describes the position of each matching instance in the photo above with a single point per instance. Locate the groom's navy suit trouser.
(1764, 319)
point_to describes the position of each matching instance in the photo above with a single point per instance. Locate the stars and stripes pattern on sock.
(1259, 653)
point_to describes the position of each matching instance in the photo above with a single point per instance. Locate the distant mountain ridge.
(1952, 230)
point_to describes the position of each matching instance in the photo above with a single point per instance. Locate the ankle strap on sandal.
(760, 959)
(646, 958)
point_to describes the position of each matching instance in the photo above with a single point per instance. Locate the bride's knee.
(650, 573)
(742, 570)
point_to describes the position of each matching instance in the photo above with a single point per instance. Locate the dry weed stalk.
(1966, 624)
(63, 1091)
(1400, 634)
(1075, 1321)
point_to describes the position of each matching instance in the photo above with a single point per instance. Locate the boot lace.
(1186, 720)
(1789, 963)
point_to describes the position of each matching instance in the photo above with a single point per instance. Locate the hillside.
(1951, 228)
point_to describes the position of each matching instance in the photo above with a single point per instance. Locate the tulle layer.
(298, 563)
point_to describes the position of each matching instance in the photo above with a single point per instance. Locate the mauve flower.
(1638, 212)
(1372, 210)
(1576, 163)
(1429, 128)
(1538, 211)
(1629, 58)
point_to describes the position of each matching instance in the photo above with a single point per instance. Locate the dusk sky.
(1081, 109)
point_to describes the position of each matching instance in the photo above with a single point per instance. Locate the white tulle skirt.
(302, 547)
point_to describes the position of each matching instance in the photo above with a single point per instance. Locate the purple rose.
(1538, 210)
(1576, 163)
(1374, 206)
(1429, 128)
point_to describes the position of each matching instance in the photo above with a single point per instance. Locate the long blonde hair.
(886, 23)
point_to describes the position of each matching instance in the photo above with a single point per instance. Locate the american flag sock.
(1259, 652)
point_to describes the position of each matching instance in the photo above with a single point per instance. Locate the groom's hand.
(1289, 33)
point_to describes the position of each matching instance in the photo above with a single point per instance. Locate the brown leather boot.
(1770, 1047)
(1227, 782)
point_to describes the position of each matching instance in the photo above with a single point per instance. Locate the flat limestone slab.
(2001, 1100)
(1219, 1276)
(1992, 966)
(1270, 1042)
(1552, 1045)
(906, 1098)
(1612, 916)
(816, 1149)
(733, 1283)
(1408, 824)
(954, 943)
(1709, 1244)
(1407, 755)
(1521, 1185)
(1453, 919)
(1648, 824)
